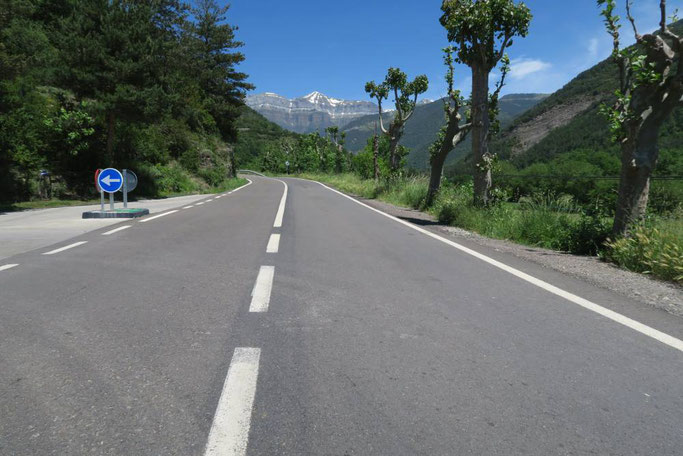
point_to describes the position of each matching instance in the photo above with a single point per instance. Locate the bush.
(649, 251)
(588, 236)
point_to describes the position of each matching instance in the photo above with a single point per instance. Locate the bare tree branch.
(381, 123)
(632, 21)
(662, 9)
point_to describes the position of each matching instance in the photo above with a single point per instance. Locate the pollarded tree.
(405, 98)
(651, 87)
(454, 132)
(482, 30)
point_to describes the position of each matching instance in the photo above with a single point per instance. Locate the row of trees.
(125, 83)
(480, 32)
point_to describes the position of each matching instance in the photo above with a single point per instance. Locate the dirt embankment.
(528, 134)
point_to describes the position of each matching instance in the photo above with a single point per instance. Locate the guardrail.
(243, 171)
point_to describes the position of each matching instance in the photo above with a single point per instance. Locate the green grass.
(545, 220)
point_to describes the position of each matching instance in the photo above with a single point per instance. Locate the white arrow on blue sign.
(110, 180)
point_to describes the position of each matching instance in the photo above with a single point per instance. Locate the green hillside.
(255, 135)
(423, 127)
(585, 129)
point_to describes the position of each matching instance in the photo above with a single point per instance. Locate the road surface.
(200, 331)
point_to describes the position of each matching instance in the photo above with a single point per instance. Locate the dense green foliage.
(87, 84)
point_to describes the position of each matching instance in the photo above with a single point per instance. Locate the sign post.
(110, 180)
(99, 189)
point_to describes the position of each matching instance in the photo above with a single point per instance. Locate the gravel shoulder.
(635, 286)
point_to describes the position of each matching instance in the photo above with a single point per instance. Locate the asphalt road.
(200, 333)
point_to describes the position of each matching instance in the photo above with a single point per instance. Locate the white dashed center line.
(281, 210)
(5, 267)
(273, 243)
(260, 295)
(229, 433)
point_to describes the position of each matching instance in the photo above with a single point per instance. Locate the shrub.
(588, 236)
(649, 251)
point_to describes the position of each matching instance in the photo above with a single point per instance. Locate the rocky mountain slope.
(308, 114)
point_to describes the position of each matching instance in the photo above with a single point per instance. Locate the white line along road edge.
(281, 210)
(5, 267)
(240, 188)
(273, 243)
(116, 230)
(229, 433)
(70, 246)
(160, 215)
(614, 316)
(260, 295)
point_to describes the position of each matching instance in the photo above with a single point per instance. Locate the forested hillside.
(565, 136)
(423, 127)
(85, 84)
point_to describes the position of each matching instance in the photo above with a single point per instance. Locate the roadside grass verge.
(549, 221)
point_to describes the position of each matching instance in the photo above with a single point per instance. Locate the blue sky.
(298, 46)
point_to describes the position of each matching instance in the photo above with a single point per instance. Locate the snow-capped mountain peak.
(313, 112)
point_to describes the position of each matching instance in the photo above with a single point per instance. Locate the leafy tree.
(222, 86)
(481, 31)
(651, 87)
(405, 99)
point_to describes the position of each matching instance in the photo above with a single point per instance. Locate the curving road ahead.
(287, 319)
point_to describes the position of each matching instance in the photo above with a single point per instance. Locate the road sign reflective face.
(110, 180)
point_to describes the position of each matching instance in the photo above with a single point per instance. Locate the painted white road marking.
(5, 267)
(200, 203)
(61, 249)
(116, 230)
(273, 243)
(240, 188)
(260, 295)
(188, 207)
(614, 316)
(229, 433)
(160, 215)
(281, 210)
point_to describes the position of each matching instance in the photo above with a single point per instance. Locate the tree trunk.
(375, 156)
(232, 166)
(480, 129)
(435, 176)
(111, 130)
(638, 160)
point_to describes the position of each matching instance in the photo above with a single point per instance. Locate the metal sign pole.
(111, 201)
(102, 200)
(125, 189)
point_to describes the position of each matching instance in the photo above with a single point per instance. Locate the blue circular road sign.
(110, 180)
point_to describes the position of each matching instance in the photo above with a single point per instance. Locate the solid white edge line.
(229, 434)
(240, 188)
(188, 207)
(61, 249)
(607, 313)
(160, 215)
(5, 267)
(116, 230)
(260, 294)
(281, 210)
(273, 243)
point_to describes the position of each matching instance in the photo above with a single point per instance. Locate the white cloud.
(523, 67)
(593, 48)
